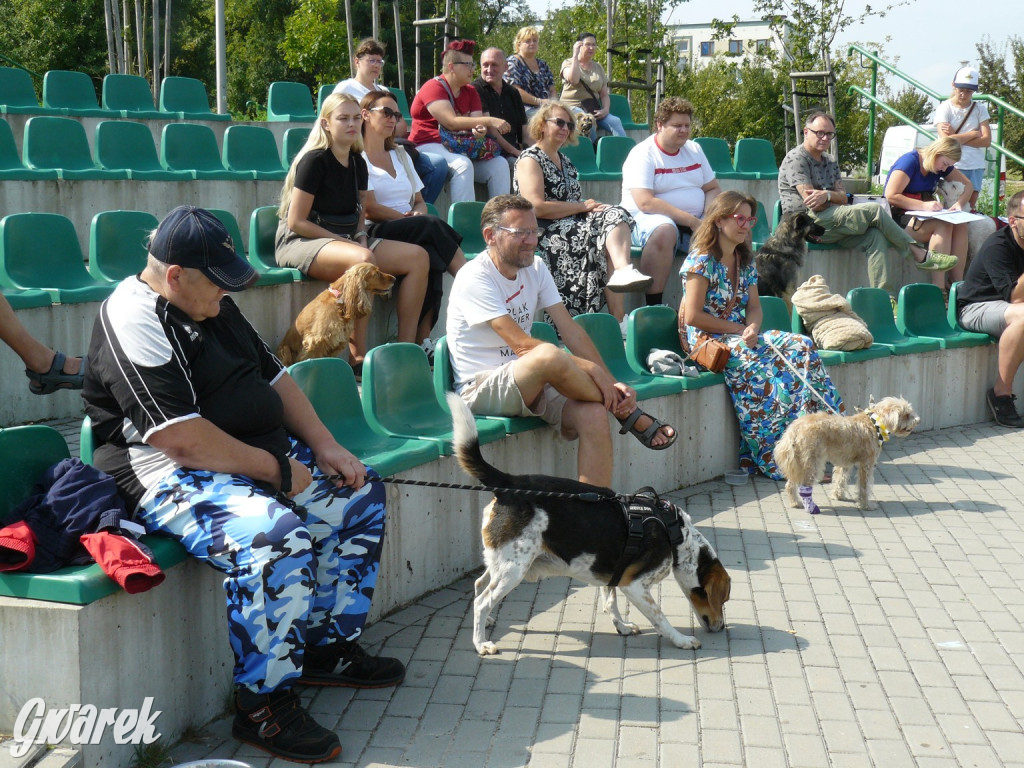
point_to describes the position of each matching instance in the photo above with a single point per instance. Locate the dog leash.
(589, 496)
(800, 376)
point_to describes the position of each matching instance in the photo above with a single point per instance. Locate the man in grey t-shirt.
(809, 180)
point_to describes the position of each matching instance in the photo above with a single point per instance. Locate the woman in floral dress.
(720, 299)
(580, 236)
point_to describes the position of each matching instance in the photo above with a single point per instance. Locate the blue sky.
(930, 37)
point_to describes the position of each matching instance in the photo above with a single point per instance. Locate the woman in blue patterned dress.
(531, 76)
(720, 299)
(581, 237)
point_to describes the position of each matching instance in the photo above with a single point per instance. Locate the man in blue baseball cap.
(211, 442)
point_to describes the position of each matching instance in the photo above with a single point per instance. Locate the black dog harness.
(643, 506)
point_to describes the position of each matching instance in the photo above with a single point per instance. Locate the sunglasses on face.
(744, 221)
(387, 112)
(563, 123)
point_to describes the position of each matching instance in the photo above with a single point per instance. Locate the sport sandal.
(936, 262)
(55, 378)
(646, 437)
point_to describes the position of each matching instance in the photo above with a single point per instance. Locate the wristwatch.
(849, 198)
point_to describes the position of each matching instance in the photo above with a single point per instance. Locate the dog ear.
(358, 301)
(871, 401)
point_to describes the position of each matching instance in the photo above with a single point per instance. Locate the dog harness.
(881, 431)
(642, 507)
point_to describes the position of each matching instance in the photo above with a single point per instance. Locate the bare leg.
(617, 244)
(656, 259)
(37, 356)
(1011, 350)
(412, 264)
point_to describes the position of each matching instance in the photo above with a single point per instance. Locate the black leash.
(590, 496)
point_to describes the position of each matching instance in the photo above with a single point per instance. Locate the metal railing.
(1002, 108)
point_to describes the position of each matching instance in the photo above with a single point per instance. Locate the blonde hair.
(944, 147)
(318, 139)
(536, 127)
(524, 33)
(705, 239)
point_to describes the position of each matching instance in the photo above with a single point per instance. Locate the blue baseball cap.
(194, 238)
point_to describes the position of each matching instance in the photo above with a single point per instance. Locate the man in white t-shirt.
(667, 183)
(501, 370)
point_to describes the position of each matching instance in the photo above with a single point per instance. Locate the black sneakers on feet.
(348, 665)
(1003, 409)
(277, 723)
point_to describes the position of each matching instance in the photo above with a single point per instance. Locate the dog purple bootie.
(805, 496)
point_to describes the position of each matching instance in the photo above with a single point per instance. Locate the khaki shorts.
(985, 317)
(495, 393)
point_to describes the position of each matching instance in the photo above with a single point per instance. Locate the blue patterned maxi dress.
(766, 394)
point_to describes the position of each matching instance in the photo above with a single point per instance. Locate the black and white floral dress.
(573, 246)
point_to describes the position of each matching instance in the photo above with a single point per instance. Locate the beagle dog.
(533, 537)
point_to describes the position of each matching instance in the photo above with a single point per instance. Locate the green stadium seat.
(619, 106)
(606, 334)
(26, 453)
(118, 243)
(294, 139)
(839, 357)
(951, 317)
(875, 309)
(41, 251)
(289, 102)
(193, 147)
(756, 156)
(253, 148)
(921, 312)
(399, 400)
(464, 218)
(18, 95)
(73, 93)
(432, 209)
(545, 332)
(612, 152)
(763, 229)
(60, 144)
(29, 299)
(263, 223)
(187, 96)
(322, 94)
(775, 316)
(86, 441)
(720, 156)
(331, 387)
(402, 101)
(444, 382)
(657, 327)
(11, 167)
(267, 276)
(582, 156)
(128, 146)
(132, 95)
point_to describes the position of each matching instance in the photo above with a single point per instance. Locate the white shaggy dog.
(846, 441)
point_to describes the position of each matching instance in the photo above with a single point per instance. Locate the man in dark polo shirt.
(991, 300)
(501, 100)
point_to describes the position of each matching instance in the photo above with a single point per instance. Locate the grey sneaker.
(1003, 409)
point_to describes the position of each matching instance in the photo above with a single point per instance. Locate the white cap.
(966, 77)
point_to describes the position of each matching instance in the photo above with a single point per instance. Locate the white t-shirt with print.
(480, 294)
(678, 178)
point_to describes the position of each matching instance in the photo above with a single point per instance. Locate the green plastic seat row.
(26, 453)
(75, 94)
(753, 158)
(11, 166)
(657, 327)
(606, 334)
(18, 95)
(582, 156)
(922, 312)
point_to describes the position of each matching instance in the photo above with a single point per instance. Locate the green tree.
(315, 41)
(996, 80)
(54, 34)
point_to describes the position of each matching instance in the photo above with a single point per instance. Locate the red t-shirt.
(424, 124)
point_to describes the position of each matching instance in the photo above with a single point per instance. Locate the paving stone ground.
(885, 638)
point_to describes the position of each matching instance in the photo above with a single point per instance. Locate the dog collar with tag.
(881, 431)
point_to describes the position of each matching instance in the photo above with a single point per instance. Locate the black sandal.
(647, 436)
(55, 378)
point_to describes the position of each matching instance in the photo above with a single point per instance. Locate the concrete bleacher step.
(39, 756)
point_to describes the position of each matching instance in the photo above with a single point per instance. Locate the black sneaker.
(346, 664)
(1003, 409)
(277, 723)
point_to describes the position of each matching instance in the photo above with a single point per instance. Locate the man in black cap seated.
(211, 442)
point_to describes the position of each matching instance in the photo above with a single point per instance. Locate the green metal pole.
(999, 162)
(871, 122)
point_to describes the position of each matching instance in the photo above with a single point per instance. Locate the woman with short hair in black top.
(323, 225)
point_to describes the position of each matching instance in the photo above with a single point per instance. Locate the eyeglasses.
(374, 62)
(469, 63)
(744, 221)
(521, 234)
(822, 134)
(569, 124)
(388, 112)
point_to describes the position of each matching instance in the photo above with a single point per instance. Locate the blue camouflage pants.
(293, 579)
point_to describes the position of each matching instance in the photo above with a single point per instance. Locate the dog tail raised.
(467, 446)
